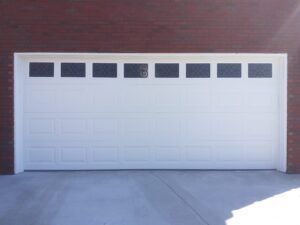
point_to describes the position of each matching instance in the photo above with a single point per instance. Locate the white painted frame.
(281, 157)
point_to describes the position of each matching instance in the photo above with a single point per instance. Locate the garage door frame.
(19, 64)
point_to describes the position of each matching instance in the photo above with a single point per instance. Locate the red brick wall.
(201, 26)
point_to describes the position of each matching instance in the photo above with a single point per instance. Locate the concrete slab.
(150, 198)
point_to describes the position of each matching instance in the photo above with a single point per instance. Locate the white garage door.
(151, 112)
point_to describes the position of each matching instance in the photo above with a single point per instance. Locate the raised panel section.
(197, 100)
(40, 154)
(73, 154)
(198, 153)
(261, 101)
(104, 154)
(260, 151)
(260, 126)
(229, 151)
(106, 99)
(74, 126)
(168, 98)
(41, 126)
(136, 154)
(105, 126)
(136, 131)
(228, 127)
(228, 101)
(106, 131)
(196, 129)
(166, 131)
(138, 99)
(40, 99)
(167, 154)
(74, 99)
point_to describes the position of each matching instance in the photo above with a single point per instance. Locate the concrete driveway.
(150, 198)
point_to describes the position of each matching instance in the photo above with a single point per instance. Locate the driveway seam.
(181, 198)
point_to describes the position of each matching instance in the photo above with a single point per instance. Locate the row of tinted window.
(162, 70)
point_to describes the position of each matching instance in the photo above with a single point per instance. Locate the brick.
(149, 26)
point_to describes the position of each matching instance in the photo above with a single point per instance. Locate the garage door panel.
(41, 126)
(196, 129)
(199, 152)
(40, 99)
(229, 151)
(190, 121)
(74, 100)
(136, 154)
(196, 99)
(167, 153)
(228, 127)
(167, 98)
(260, 151)
(261, 126)
(166, 131)
(105, 126)
(261, 101)
(104, 154)
(40, 154)
(106, 99)
(136, 125)
(136, 139)
(74, 126)
(137, 99)
(136, 131)
(228, 101)
(73, 154)
(40, 129)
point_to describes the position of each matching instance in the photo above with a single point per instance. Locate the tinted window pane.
(197, 70)
(73, 69)
(135, 70)
(229, 70)
(104, 70)
(167, 70)
(260, 70)
(41, 69)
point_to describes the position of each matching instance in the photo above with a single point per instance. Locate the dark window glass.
(104, 70)
(194, 70)
(73, 69)
(135, 70)
(41, 69)
(260, 70)
(167, 70)
(229, 70)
